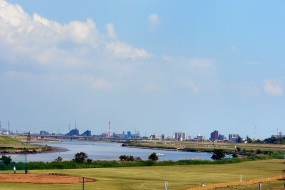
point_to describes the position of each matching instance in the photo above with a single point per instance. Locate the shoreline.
(168, 149)
(35, 151)
(174, 149)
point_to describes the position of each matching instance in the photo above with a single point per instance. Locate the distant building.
(200, 138)
(214, 136)
(42, 132)
(73, 132)
(279, 135)
(137, 134)
(163, 137)
(153, 137)
(233, 138)
(86, 133)
(222, 137)
(180, 136)
(119, 135)
(128, 135)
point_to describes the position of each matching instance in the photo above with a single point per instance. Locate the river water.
(105, 151)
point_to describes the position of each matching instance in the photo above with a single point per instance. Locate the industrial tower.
(109, 135)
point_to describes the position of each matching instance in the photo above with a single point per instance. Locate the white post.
(241, 178)
(166, 185)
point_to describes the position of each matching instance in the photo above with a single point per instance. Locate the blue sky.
(151, 66)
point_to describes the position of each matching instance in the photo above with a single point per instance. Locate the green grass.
(154, 177)
(9, 140)
(9, 143)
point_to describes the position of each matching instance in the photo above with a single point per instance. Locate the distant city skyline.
(157, 67)
(213, 136)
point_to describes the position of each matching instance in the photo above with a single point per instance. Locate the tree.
(126, 158)
(89, 161)
(80, 157)
(258, 151)
(235, 155)
(58, 159)
(153, 157)
(6, 160)
(123, 157)
(218, 154)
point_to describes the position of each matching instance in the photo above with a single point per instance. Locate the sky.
(157, 67)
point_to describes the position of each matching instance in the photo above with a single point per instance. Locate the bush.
(6, 160)
(218, 154)
(235, 155)
(80, 157)
(153, 157)
(123, 157)
(58, 159)
(89, 161)
(126, 158)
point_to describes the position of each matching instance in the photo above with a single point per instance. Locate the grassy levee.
(10, 144)
(178, 177)
(9, 140)
(200, 146)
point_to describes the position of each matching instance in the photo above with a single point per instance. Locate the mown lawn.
(178, 177)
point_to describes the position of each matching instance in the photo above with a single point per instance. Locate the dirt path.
(42, 179)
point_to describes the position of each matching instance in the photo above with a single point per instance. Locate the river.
(104, 151)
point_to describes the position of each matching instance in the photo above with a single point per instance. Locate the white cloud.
(101, 84)
(154, 21)
(272, 89)
(46, 41)
(126, 51)
(111, 30)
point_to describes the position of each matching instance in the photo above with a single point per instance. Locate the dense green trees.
(153, 157)
(218, 154)
(126, 158)
(274, 140)
(6, 160)
(80, 157)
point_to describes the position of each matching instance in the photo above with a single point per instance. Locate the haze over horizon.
(150, 66)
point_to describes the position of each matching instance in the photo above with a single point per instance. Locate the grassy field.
(178, 177)
(9, 140)
(9, 143)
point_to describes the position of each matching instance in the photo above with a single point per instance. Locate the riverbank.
(169, 148)
(33, 151)
(209, 148)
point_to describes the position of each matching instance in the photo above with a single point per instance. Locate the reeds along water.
(236, 183)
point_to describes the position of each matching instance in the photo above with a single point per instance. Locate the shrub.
(80, 157)
(153, 157)
(6, 160)
(218, 154)
(89, 161)
(123, 157)
(235, 155)
(258, 151)
(58, 159)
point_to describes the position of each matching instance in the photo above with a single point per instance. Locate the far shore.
(169, 149)
(35, 151)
